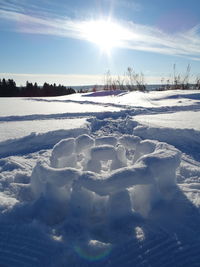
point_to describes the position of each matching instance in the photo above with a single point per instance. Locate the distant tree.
(70, 91)
(8, 88)
(4, 88)
(12, 89)
(29, 89)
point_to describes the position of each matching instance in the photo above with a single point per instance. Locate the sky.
(75, 42)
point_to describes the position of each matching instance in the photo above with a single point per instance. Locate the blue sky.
(76, 42)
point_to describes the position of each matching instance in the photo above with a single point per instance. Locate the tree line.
(8, 88)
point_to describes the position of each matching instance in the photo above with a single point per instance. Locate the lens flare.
(93, 251)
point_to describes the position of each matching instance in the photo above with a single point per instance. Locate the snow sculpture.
(144, 147)
(121, 160)
(52, 190)
(119, 205)
(44, 176)
(130, 143)
(105, 153)
(105, 178)
(144, 197)
(86, 205)
(106, 140)
(63, 154)
(84, 142)
(162, 163)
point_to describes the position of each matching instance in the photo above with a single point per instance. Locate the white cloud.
(136, 37)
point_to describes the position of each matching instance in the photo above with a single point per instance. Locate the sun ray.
(104, 33)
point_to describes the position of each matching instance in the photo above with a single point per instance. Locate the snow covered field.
(178, 120)
(95, 180)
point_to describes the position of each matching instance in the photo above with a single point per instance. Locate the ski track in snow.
(98, 227)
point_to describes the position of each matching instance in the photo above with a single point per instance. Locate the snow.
(100, 179)
(178, 120)
(17, 129)
(176, 98)
(32, 106)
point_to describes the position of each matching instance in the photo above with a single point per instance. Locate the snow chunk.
(45, 178)
(84, 142)
(143, 198)
(116, 181)
(129, 141)
(108, 140)
(144, 148)
(163, 163)
(105, 153)
(62, 154)
(119, 204)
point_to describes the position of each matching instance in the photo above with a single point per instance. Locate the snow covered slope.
(100, 180)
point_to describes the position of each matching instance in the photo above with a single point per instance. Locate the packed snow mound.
(88, 178)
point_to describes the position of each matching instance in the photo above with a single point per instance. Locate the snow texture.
(117, 190)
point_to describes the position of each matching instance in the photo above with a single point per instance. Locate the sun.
(105, 33)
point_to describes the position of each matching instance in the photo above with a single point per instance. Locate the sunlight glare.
(105, 33)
